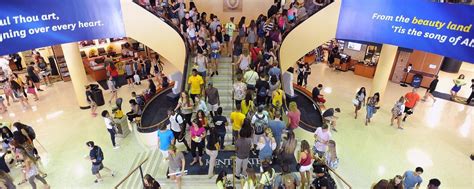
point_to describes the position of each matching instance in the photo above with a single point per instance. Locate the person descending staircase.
(223, 82)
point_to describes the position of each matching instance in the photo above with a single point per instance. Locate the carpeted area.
(156, 110)
(447, 97)
(122, 80)
(224, 162)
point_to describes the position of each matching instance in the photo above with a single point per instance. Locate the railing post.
(141, 176)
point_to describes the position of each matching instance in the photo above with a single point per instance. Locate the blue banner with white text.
(440, 28)
(28, 24)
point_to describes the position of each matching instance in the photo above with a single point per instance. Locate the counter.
(364, 70)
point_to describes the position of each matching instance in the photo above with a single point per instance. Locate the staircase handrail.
(138, 167)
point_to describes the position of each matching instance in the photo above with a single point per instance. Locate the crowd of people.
(17, 87)
(20, 152)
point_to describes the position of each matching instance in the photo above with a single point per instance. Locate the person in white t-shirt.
(109, 124)
(178, 126)
(322, 136)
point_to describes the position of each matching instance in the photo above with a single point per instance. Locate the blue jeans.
(370, 111)
(221, 136)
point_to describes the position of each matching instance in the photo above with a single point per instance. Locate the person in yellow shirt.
(236, 119)
(195, 85)
(278, 98)
(248, 105)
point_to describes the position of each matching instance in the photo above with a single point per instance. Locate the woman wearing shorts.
(397, 112)
(215, 53)
(360, 97)
(458, 83)
(305, 162)
(90, 99)
(129, 71)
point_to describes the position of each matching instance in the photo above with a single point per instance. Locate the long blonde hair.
(332, 149)
(293, 107)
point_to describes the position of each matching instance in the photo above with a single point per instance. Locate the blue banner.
(440, 28)
(28, 24)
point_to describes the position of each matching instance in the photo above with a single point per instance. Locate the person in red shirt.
(411, 99)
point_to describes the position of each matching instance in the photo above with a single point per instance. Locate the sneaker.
(400, 128)
(97, 180)
(333, 129)
(113, 173)
(237, 177)
(116, 147)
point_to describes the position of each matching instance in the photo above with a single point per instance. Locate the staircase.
(155, 166)
(224, 84)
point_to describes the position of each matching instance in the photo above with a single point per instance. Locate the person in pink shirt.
(198, 134)
(293, 116)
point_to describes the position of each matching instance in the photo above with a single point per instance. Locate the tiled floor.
(437, 137)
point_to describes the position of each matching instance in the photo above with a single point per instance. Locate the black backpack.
(262, 91)
(100, 155)
(259, 124)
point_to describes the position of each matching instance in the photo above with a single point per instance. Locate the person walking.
(433, 183)
(412, 179)
(31, 170)
(176, 165)
(96, 157)
(431, 89)
(111, 128)
(195, 85)
(185, 107)
(305, 161)
(212, 98)
(220, 123)
(178, 127)
(294, 116)
(458, 83)
(236, 119)
(397, 112)
(6, 181)
(239, 90)
(263, 88)
(411, 100)
(32, 73)
(331, 158)
(371, 107)
(266, 145)
(287, 152)
(91, 100)
(212, 149)
(277, 127)
(243, 146)
(113, 89)
(359, 100)
(322, 136)
(198, 134)
(165, 139)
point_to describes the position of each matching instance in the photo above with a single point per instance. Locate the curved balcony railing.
(146, 125)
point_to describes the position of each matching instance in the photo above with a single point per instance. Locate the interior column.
(384, 67)
(76, 70)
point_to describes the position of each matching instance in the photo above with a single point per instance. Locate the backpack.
(140, 101)
(100, 155)
(262, 91)
(31, 132)
(260, 124)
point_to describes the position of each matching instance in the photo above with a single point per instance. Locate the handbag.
(355, 102)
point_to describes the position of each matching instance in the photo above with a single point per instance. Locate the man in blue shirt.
(165, 139)
(277, 126)
(413, 179)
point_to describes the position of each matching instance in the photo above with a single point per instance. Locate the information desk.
(364, 70)
(425, 82)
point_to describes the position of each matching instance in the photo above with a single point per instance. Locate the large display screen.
(28, 24)
(440, 28)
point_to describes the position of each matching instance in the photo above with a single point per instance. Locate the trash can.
(122, 126)
(416, 82)
(98, 96)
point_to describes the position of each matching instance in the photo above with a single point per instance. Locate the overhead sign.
(440, 28)
(28, 24)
